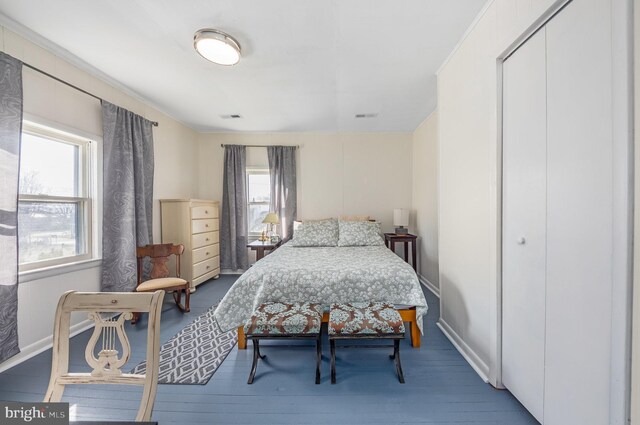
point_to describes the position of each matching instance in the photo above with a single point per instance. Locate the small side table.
(390, 240)
(260, 247)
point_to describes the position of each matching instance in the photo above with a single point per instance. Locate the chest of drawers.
(194, 223)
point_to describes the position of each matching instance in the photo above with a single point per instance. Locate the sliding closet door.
(579, 210)
(524, 223)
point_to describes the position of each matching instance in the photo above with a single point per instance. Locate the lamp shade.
(271, 218)
(400, 217)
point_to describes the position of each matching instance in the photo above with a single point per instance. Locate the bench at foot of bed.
(408, 315)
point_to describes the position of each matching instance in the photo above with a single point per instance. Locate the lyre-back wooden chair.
(160, 276)
(103, 308)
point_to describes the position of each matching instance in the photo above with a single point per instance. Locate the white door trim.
(635, 365)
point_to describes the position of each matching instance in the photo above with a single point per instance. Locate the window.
(54, 203)
(259, 197)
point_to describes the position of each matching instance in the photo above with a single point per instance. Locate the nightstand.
(259, 247)
(390, 240)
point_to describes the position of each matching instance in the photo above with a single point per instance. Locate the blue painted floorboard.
(441, 388)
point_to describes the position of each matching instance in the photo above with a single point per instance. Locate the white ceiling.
(308, 65)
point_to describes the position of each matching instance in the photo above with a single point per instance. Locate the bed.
(325, 275)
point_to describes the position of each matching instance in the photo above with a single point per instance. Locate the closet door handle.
(521, 240)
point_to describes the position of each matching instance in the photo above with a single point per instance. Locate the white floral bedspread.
(322, 275)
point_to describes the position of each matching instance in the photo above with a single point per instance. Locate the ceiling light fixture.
(217, 46)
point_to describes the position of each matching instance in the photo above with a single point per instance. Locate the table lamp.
(401, 219)
(271, 219)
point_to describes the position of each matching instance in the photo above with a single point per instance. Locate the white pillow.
(359, 233)
(316, 233)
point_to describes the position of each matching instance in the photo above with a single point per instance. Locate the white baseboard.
(469, 355)
(44, 344)
(430, 286)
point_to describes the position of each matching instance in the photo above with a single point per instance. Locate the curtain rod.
(222, 145)
(154, 123)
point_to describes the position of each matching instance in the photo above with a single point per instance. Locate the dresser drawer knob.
(206, 212)
(207, 239)
(208, 267)
(206, 253)
(206, 225)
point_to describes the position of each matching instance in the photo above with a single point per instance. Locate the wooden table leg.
(406, 251)
(242, 340)
(413, 255)
(259, 253)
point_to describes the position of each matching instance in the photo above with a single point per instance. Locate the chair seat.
(163, 283)
(364, 319)
(277, 318)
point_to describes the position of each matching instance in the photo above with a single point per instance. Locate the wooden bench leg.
(242, 340)
(318, 357)
(333, 360)
(396, 358)
(256, 356)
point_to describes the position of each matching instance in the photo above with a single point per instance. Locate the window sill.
(28, 276)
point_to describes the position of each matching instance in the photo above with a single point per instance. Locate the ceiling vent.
(366, 115)
(230, 117)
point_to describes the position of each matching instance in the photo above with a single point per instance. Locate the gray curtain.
(10, 133)
(128, 194)
(282, 170)
(233, 227)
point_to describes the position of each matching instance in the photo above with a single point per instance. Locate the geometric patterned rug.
(193, 355)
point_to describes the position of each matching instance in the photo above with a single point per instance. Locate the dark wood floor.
(441, 388)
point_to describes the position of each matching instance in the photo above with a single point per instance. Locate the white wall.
(55, 104)
(353, 173)
(467, 184)
(469, 188)
(424, 199)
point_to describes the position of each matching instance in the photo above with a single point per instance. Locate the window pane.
(259, 188)
(257, 213)
(49, 230)
(49, 167)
